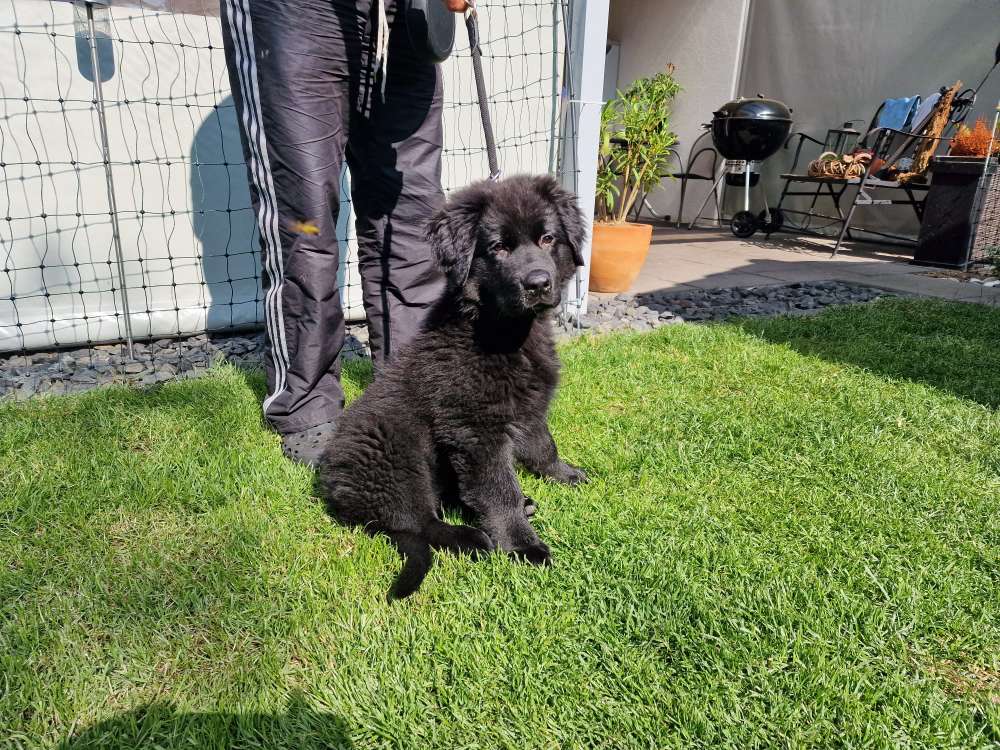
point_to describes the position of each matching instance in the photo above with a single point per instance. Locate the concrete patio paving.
(712, 258)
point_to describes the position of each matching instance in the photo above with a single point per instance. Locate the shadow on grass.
(952, 346)
(160, 725)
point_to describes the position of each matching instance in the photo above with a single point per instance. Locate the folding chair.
(890, 145)
(820, 187)
(896, 127)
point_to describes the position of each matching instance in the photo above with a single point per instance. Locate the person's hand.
(456, 6)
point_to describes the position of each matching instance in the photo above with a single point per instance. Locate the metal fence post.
(583, 91)
(109, 177)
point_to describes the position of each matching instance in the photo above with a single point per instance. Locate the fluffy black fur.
(449, 418)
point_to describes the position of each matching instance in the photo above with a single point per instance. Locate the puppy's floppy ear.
(452, 233)
(568, 212)
(451, 253)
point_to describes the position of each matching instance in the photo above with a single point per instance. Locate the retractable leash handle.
(472, 25)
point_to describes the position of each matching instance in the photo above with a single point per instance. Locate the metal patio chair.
(889, 143)
(699, 155)
(708, 155)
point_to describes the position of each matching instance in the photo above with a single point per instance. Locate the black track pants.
(306, 95)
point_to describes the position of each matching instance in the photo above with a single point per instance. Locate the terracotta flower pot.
(619, 250)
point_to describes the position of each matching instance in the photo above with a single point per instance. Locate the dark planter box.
(946, 231)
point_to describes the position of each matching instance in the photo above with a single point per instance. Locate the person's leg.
(395, 160)
(290, 74)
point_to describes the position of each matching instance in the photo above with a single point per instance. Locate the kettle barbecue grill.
(746, 132)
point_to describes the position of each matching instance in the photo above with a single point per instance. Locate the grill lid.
(757, 108)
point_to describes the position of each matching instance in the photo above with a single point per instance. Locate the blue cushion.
(897, 113)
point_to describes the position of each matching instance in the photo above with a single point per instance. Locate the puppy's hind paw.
(535, 554)
(565, 473)
(472, 542)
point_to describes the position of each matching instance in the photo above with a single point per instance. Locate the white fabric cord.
(382, 44)
(238, 12)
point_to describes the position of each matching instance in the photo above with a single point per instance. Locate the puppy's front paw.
(536, 554)
(565, 473)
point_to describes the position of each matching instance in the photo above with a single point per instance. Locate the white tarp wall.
(829, 61)
(833, 62)
(188, 235)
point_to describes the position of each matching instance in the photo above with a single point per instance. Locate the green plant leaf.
(640, 115)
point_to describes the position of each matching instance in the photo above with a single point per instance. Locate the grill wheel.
(744, 224)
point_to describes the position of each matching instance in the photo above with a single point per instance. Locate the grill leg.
(767, 213)
(746, 192)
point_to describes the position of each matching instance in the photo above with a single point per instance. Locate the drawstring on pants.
(382, 44)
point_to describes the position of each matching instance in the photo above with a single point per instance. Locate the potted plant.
(635, 148)
(974, 141)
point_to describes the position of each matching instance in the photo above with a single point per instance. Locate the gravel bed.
(643, 312)
(75, 370)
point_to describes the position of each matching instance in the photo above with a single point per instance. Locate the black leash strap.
(472, 24)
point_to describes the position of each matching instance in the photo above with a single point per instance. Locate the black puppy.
(471, 395)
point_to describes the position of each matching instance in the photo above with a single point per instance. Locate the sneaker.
(307, 446)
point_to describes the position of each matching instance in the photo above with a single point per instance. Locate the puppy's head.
(510, 245)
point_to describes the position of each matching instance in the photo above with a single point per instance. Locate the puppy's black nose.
(538, 282)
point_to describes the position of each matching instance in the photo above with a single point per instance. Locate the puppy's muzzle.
(538, 289)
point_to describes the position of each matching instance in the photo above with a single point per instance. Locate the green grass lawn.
(791, 538)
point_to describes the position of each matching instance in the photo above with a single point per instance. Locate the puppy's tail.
(416, 549)
(416, 552)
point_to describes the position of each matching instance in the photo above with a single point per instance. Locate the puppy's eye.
(499, 247)
(546, 240)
